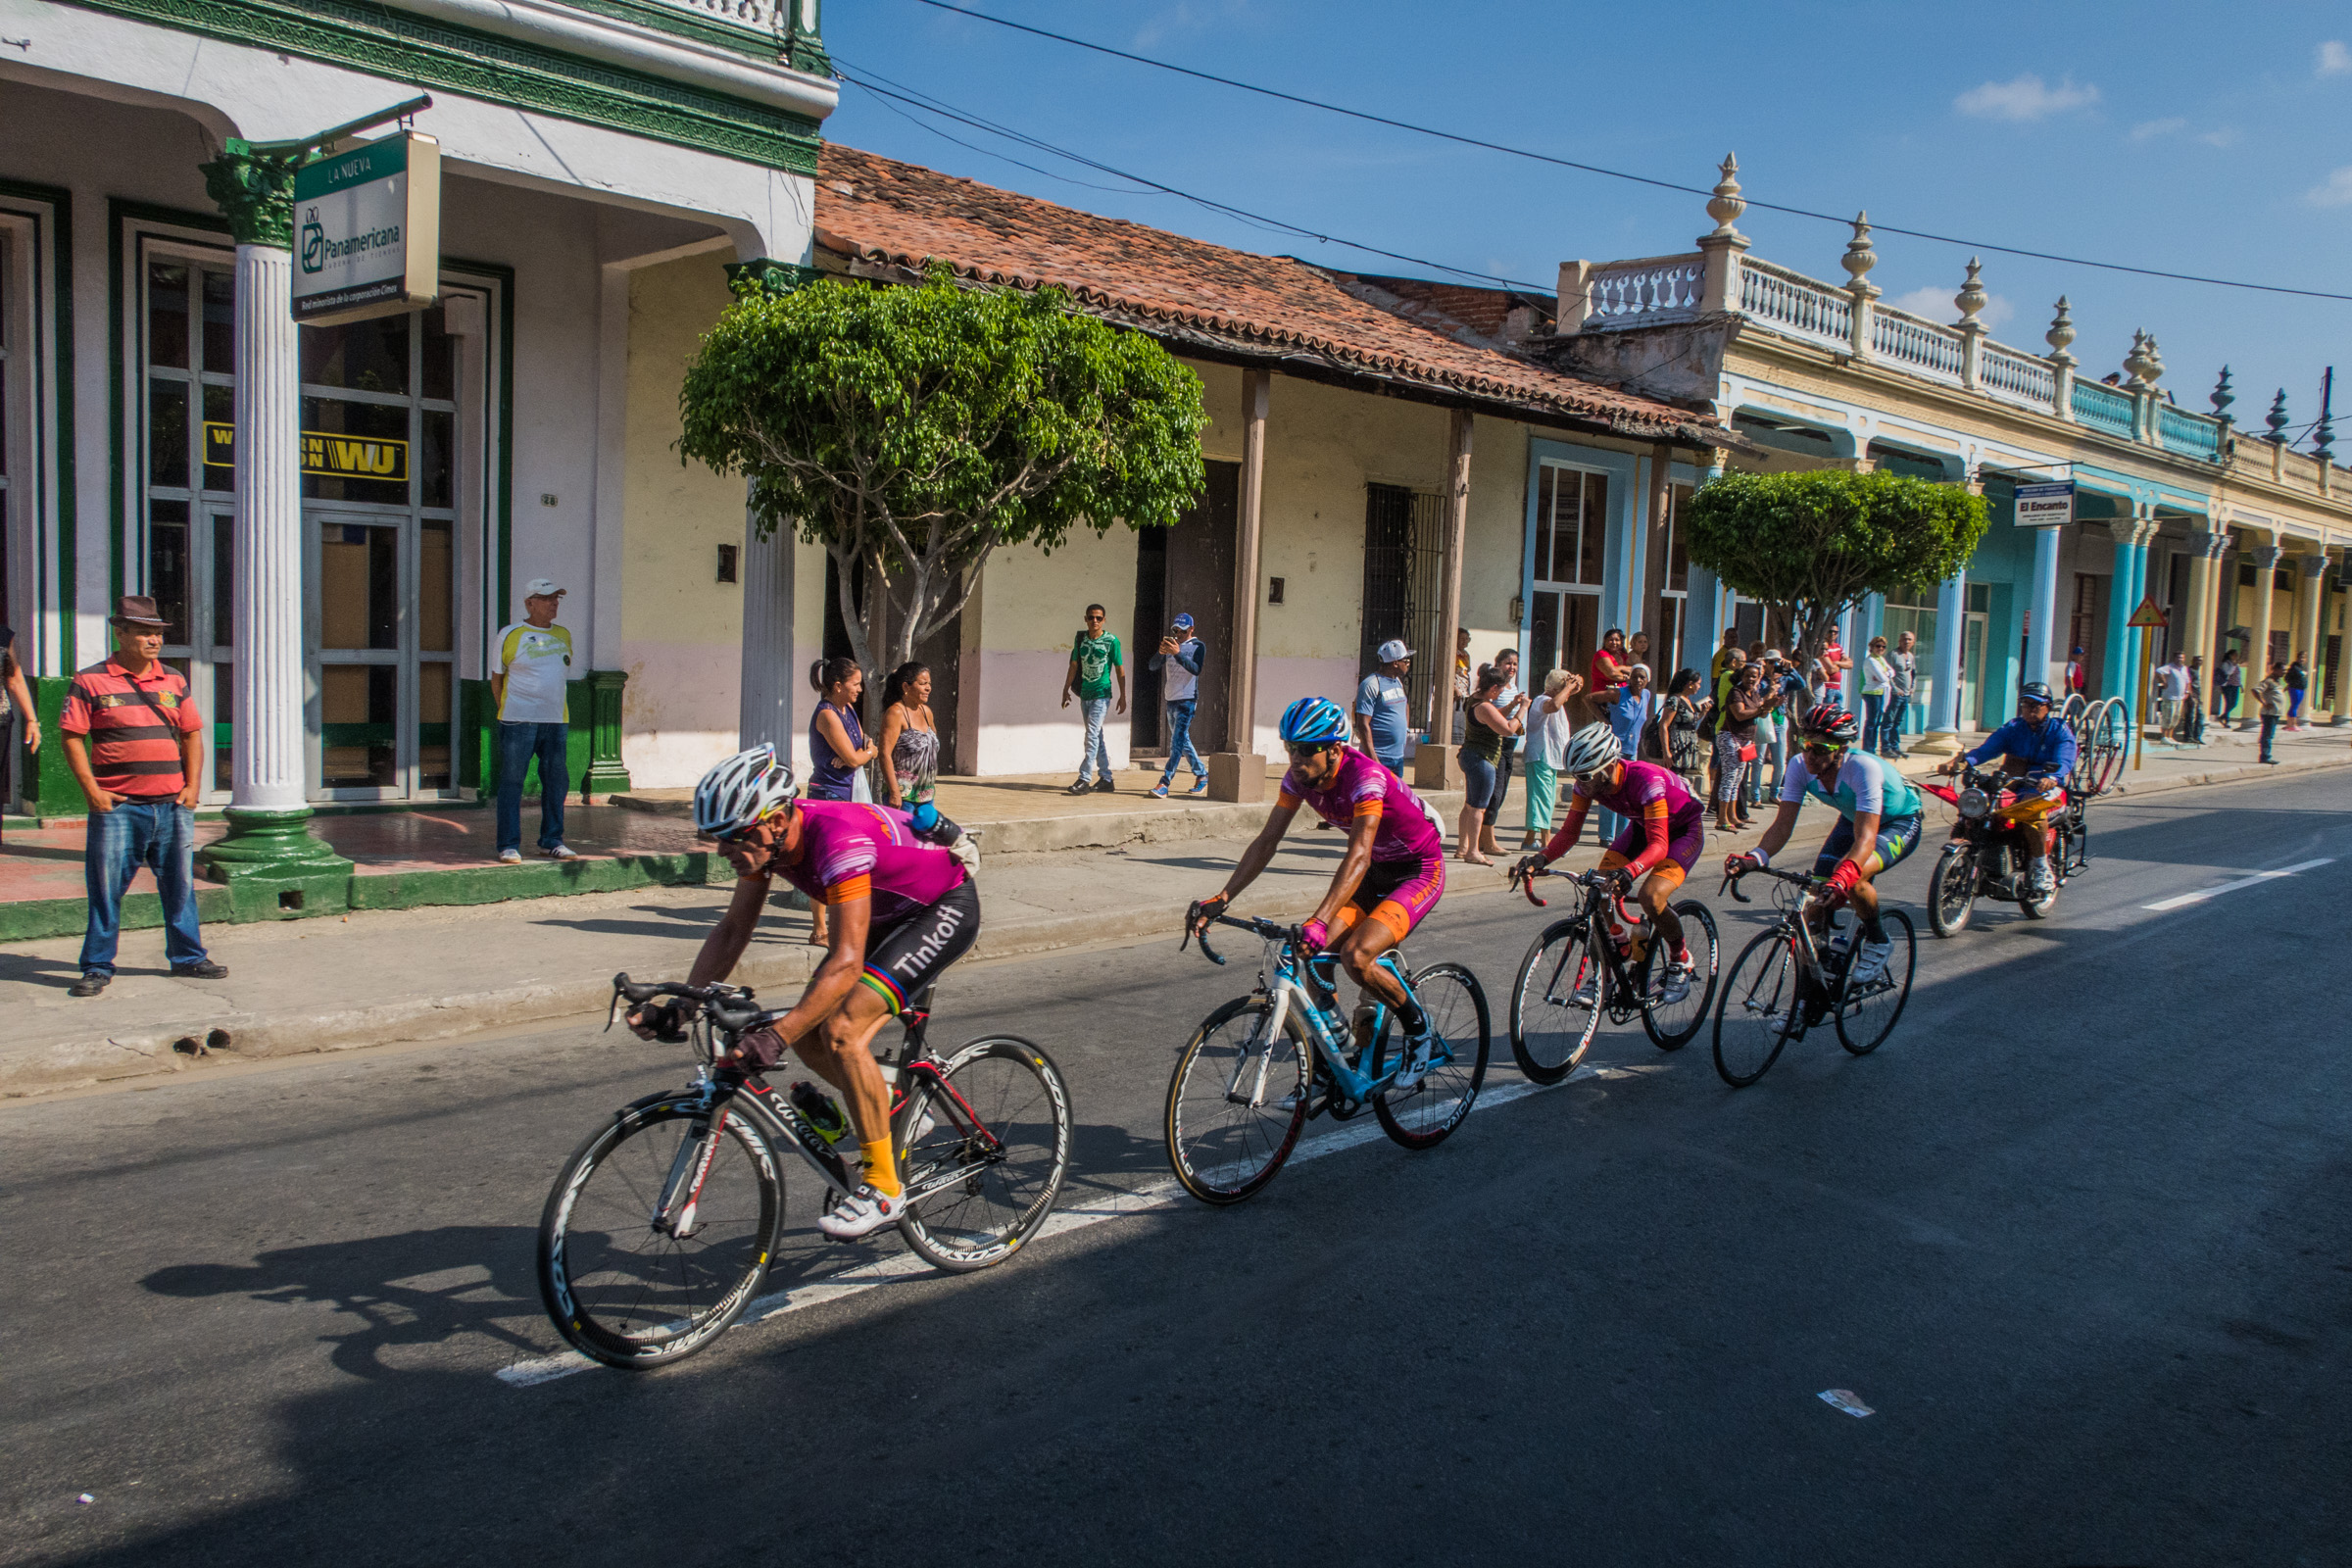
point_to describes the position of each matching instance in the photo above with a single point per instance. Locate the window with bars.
(1405, 567)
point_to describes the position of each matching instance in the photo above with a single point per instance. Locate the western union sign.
(329, 453)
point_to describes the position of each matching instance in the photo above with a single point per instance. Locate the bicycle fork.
(675, 1213)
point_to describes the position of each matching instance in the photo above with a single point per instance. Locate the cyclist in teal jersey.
(1878, 823)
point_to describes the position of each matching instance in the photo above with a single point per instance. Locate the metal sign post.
(2148, 618)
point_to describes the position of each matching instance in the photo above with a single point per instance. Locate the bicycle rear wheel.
(1421, 1117)
(1237, 1102)
(1867, 1013)
(1758, 1009)
(982, 1159)
(631, 1274)
(1671, 1024)
(1550, 1035)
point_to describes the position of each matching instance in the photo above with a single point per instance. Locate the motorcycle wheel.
(1952, 890)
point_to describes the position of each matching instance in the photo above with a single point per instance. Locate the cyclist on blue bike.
(2038, 751)
(1390, 878)
(1878, 823)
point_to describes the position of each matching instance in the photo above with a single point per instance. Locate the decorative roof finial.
(2155, 370)
(2277, 417)
(1726, 206)
(2136, 361)
(2060, 334)
(1859, 258)
(1972, 296)
(2223, 397)
(2322, 434)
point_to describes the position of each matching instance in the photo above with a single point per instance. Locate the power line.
(1613, 174)
(946, 111)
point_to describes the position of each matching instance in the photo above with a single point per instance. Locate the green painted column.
(274, 865)
(607, 775)
(804, 38)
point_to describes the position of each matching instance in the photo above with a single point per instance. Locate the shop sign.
(328, 454)
(2046, 505)
(367, 230)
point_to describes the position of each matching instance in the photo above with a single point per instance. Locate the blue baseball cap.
(1184, 624)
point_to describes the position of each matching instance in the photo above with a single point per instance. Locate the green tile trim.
(412, 49)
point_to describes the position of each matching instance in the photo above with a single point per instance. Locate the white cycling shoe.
(1869, 966)
(1418, 1052)
(861, 1213)
(1676, 987)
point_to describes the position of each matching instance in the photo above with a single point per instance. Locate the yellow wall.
(682, 629)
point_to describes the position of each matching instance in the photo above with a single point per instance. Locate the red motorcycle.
(1988, 851)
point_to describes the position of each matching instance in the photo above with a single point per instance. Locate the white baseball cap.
(1392, 649)
(542, 588)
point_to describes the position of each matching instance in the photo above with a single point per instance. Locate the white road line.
(2183, 900)
(1118, 1204)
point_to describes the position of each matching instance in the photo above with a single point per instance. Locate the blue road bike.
(1260, 1066)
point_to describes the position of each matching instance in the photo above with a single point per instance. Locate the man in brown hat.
(135, 743)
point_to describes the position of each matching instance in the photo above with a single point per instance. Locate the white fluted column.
(1943, 699)
(2045, 608)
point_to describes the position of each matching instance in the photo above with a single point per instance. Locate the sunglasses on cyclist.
(1823, 749)
(1300, 754)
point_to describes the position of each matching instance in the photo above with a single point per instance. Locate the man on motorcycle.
(2037, 750)
(1877, 824)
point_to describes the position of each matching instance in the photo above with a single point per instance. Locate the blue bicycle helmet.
(1313, 721)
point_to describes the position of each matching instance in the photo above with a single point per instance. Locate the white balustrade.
(2016, 377)
(1794, 304)
(1644, 293)
(759, 16)
(1922, 347)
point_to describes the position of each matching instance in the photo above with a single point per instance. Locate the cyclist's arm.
(1354, 864)
(1655, 843)
(1571, 828)
(837, 976)
(1866, 840)
(1783, 822)
(1260, 852)
(733, 933)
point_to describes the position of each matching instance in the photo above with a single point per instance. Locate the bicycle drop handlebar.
(715, 1001)
(1268, 929)
(1730, 880)
(1588, 879)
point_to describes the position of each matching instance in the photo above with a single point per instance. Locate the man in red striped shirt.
(135, 743)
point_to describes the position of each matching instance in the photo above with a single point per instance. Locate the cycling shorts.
(1398, 893)
(906, 956)
(1897, 837)
(1681, 850)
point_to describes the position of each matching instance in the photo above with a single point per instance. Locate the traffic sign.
(2150, 615)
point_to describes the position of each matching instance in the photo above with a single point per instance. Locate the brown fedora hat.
(136, 610)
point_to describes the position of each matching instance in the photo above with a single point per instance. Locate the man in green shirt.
(1096, 661)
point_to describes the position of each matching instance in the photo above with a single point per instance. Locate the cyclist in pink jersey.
(904, 907)
(1665, 828)
(1394, 870)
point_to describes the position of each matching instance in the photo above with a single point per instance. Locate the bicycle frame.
(1626, 1000)
(1289, 979)
(1813, 980)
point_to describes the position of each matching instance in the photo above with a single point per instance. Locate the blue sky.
(2196, 139)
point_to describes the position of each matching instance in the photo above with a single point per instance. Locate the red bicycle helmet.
(1827, 721)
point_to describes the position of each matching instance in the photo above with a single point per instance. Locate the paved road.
(2081, 1234)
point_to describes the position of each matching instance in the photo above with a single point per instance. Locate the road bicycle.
(1576, 973)
(1782, 984)
(1261, 1066)
(2102, 735)
(662, 1225)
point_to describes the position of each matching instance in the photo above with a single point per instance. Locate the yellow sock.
(881, 1172)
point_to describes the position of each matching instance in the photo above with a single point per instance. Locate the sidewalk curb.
(85, 1063)
(2224, 775)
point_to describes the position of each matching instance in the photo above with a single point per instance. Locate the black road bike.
(662, 1225)
(1783, 983)
(1574, 975)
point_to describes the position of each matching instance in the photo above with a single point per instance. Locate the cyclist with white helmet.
(1665, 828)
(1878, 823)
(1391, 876)
(904, 907)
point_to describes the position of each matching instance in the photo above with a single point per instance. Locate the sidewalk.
(381, 976)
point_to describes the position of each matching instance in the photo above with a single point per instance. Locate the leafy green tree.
(914, 431)
(1811, 545)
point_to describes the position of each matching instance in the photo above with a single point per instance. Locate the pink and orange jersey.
(1361, 788)
(852, 850)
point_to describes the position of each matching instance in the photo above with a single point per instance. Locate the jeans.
(1098, 750)
(1874, 718)
(1478, 779)
(160, 835)
(1180, 740)
(2270, 733)
(1502, 781)
(1890, 737)
(2227, 702)
(517, 744)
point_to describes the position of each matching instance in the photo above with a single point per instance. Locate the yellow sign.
(2148, 614)
(329, 453)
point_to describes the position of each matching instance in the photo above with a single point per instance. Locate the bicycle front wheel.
(1671, 1024)
(1237, 1102)
(1421, 1117)
(1758, 1009)
(1952, 890)
(983, 1154)
(1867, 1013)
(659, 1232)
(1550, 1033)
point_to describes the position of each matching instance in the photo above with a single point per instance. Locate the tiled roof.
(1480, 310)
(878, 211)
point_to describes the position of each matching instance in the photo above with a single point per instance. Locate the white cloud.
(2222, 136)
(2148, 129)
(2026, 98)
(2335, 58)
(2333, 191)
(1938, 305)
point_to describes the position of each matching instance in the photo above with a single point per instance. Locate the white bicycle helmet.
(745, 789)
(1590, 749)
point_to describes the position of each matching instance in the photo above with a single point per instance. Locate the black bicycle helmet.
(1828, 721)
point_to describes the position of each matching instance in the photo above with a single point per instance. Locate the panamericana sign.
(329, 453)
(367, 230)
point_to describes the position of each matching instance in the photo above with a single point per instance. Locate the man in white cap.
(1383, 726)
(529, 664)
